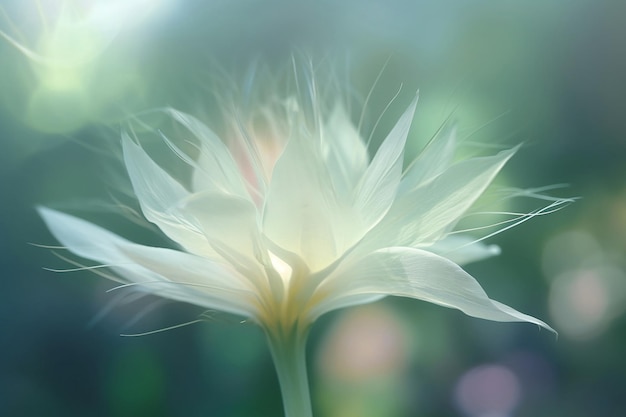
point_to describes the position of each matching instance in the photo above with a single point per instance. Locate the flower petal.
(302, 212)
(463, 249)
(231, 226)
(344, 151)
(424, 215)
(379, 184)
(215, 169)
(419, 274)
(165, 272)
(228, 220)
(159, 196)
(434, 159)
(154, 187)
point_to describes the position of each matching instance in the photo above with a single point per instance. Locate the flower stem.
(288, 351)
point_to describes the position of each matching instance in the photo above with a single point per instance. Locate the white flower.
(285, 229)
(289, 220)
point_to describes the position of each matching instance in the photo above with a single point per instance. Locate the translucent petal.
(154, 187)
(215, 169)
(159, 196)
(425, 214)
(463, 249)
(419, 274)
(379, 184)
(344, 151)
(231, 227)
(227, 219)
(302, 212)
(165, 272)
(434, 159)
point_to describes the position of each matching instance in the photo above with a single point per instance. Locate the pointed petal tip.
(47, 214)
(128, 143)
(494, 250)
(413, 105)
(423, 275)
(521, 317)
(512, 151)
(541, 324)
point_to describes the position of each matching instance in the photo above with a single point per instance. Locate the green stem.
(288, 351)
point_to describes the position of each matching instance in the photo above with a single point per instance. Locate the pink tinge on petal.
(255, 157)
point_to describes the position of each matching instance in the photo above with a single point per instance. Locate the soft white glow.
(282, 267)
(80, 55)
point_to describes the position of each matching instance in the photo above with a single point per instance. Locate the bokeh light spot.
(488, 391)
(583, 302)
(367, 342)
(588, 287)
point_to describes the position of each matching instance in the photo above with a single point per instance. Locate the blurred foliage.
(549, 74)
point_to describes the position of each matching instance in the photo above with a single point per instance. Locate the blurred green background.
(546, 73)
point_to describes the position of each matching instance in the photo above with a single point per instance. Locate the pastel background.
(548, 74)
